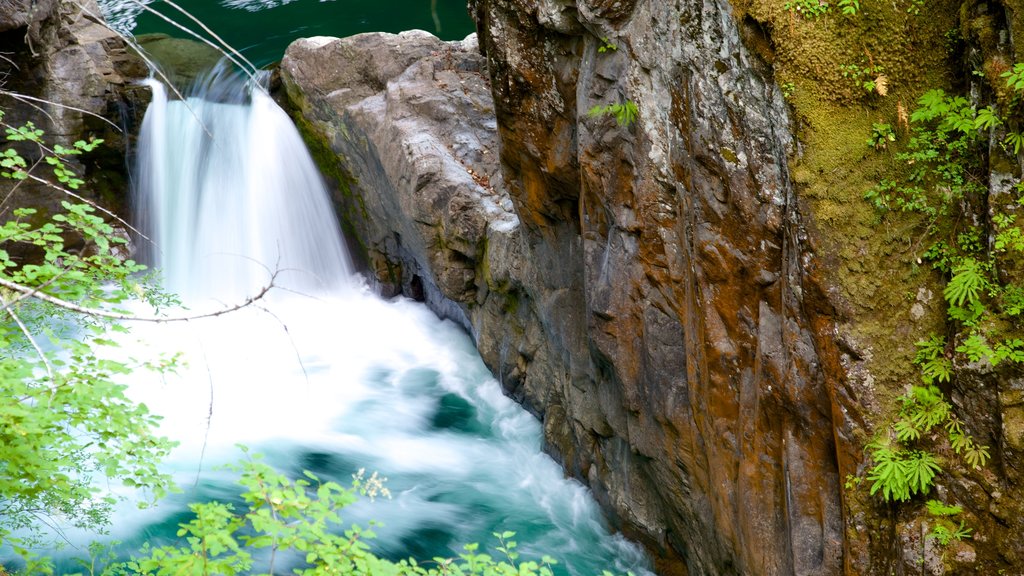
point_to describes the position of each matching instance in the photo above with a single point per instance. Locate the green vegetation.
(943, 530)
(294, 526)
(66, 420)
(882, 135)
(945, 183)
(68, 427)
(625, 113)
(808, 8)
(928, 201)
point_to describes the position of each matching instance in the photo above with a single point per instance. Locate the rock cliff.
(60, 52)
(701, 309)
(642, 288)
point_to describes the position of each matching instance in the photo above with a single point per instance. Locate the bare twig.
(209, 415)
(100, 313)
(152, 65)
(213, 34)
(249, 73)
(28, 99)
(298, 355)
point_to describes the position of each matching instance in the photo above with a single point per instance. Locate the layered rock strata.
(645, 288)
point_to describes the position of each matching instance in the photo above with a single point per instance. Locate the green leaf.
(966, 284)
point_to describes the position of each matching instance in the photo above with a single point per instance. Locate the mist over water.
(321, 374)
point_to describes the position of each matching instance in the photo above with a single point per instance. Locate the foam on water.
(322, 374)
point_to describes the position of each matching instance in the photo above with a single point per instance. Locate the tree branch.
(27, 99)
(199, 37)
(28, 336)
(100, 313)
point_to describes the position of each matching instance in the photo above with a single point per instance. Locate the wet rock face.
(59, 51)
(22, 13)
(646, 288)
(704, 333)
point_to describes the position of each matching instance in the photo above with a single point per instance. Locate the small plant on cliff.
(807, 8)
(850, 7)
(625, 113)
(869, 78)
(944, 530)
(881, 135)
(606, 46)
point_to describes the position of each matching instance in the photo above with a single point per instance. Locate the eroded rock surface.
(644, 288)
(61, 53)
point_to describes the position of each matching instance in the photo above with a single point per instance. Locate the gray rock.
(83, 72)
(23, 13)
(646, 289)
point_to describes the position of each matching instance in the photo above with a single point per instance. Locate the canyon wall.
(707, 316)
(646, 289)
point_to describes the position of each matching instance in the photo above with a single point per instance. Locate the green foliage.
(297, 523)
(915, 7)
(807, 8)
(899, 474)
(66, 422)
(931, 356)
(625, 113)
(1014, 140)
(938, 508)
(967, 283)
(881, 135)
(1015, 77)
(607, 46)
(945, 532)
(869, 78)
(987, 119)
(850, 7)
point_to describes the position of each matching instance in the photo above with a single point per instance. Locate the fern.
(976, 456)
(906, 431)
(987, 119)
(888, 474)
(931, 357)
(966, 284)
(944, 532)
(975, 347)
(1014, 140)
(921, 468)
(850, 7)
(624, 113)
(938, 508)
(900, 474)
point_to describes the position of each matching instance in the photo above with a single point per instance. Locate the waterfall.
(234, 198)
(323, 375)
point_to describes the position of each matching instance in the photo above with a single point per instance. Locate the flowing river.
(321, 374)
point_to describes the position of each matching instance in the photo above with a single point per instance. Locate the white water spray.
(325, 376)
(231, 196)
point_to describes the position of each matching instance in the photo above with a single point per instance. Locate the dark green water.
(262, 29)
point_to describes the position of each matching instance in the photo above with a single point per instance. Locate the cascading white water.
(234, 197)
(325, 376)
